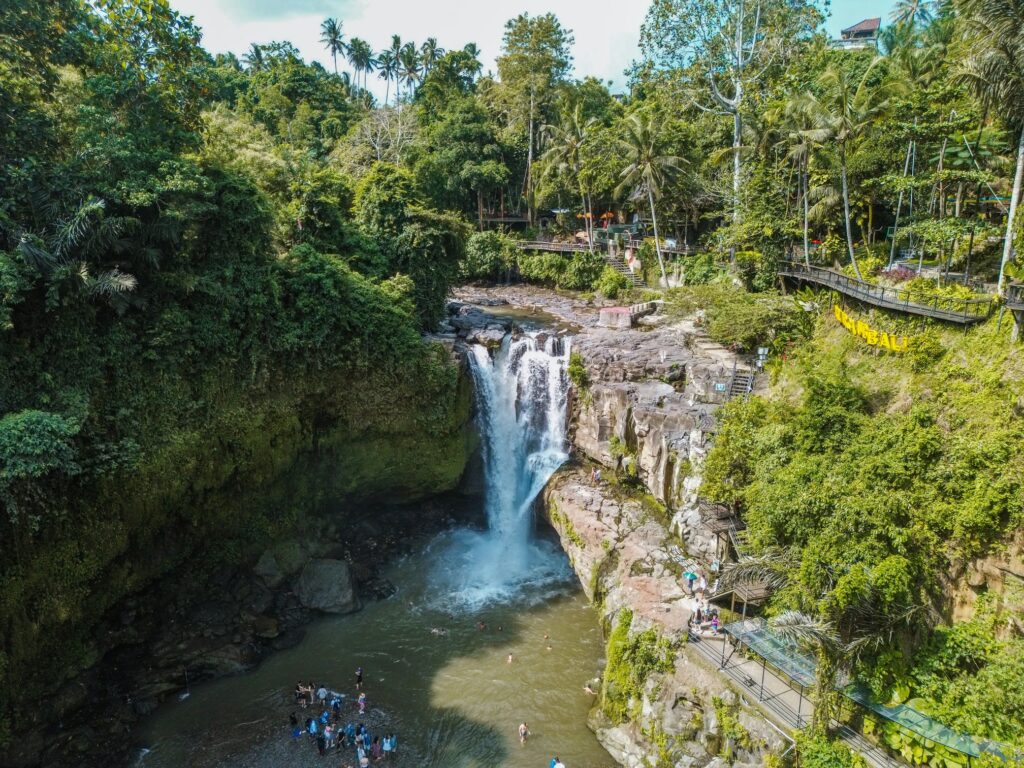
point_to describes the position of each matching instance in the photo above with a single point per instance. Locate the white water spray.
(521, 397)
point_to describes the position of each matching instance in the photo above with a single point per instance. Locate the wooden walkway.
(945, 308)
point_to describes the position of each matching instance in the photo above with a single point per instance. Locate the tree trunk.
(387, 91)
(480, 207)
(529, 166)
(657, 241)
(737, 130)
(807, 247)
(846, 211)
(825, 694)
(1014, 197)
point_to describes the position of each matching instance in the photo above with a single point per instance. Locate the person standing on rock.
(359, 678)
(362, 703)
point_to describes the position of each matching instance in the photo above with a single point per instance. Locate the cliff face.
(644, 410)
(294, 473)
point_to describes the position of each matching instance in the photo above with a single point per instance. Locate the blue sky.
(606, 31)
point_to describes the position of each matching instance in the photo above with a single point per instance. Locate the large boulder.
(326, 585)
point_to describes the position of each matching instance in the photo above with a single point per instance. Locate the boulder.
(326, 585)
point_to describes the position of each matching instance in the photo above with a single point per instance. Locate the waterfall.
(521, 398)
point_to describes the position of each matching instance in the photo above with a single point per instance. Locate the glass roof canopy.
(787, 657)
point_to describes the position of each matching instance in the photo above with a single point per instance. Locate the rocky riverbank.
(645, 413)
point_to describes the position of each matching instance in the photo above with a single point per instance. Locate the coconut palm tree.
(994, 69)
(564, 157)
(332, 39)
(254, 59)
(792, 122)
(911, 11)
(648, 167)
(430, 52)
(387, 69)
(843, 115)
(360, 56)
(409, 69)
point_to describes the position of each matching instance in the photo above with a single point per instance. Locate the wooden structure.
(863, 34)
(945, 308)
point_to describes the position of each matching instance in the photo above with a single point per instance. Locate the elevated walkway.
(945, 308)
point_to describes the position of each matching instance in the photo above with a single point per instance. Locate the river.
(454, 690)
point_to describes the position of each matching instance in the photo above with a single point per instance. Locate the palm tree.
(911, 11)
(794, 122)
(994, 68)
(564, 156)
(254, 59)
(409, 65)
(649, 167)
(831, 654)
(387, 66)
(360, 56)
(396, 51)
(473, 51)
(843, 115)
(331, 37)
(430, 52)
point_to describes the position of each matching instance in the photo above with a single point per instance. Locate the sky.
(606, 31)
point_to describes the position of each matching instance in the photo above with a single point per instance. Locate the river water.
(432, 674)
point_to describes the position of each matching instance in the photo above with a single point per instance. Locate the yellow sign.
(875, 338)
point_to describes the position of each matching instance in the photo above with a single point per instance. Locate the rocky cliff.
(644, 410)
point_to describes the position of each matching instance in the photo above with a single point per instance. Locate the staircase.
(619, 266)
(742, 384)
(740, 539)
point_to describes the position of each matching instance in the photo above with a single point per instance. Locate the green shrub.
(611, 283)
(632, 658)
(578, 371)
(489, 256)
(817, 751)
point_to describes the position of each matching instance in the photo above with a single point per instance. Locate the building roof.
(867, 25)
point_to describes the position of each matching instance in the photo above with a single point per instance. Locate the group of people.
(704, 617)
(326, 731)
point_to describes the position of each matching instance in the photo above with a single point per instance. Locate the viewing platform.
(1015, 298)
(945, 308)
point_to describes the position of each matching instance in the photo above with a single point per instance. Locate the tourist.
(329, 735)
(364, 761)
(359, 678)
(385, 746)
(702, 584)
(311, 728)
(350, 733)
(300, 695)
(321, 744)
(714, 624)
(589, 690)
(325, 717)
(362, 703)
(597, 476)
(559, 763)
(321, 695)
(524, 733)
(691, 580)
(376, 751)
(296, 730)
(394, 744)
(510, 658)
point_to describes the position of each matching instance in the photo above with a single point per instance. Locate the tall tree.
(564, 156)
(360, 56)
(843, 115)
(387, 69)
(535, 57)
(725, 47)
(649, 167)
(254, 59)
(409, 67)
(333, 40)
(430, 52)
(994, 68)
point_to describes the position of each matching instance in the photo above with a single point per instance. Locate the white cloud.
(606, 32)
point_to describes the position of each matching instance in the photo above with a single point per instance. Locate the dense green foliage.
(879, 475)
(206, 328)
(631, 658)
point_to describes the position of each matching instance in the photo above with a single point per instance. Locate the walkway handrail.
(950, 308)
(549, 245)
(1015, 296)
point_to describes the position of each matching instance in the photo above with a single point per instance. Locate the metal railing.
(948, 308)
(1015, 297)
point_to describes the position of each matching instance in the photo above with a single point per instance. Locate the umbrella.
(690, 575)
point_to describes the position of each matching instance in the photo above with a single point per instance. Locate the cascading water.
(521, 397)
